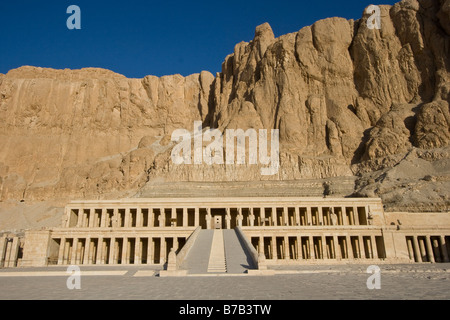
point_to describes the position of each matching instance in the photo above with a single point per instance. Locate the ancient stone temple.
(270, 230)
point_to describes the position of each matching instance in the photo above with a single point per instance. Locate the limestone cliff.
(348, 101)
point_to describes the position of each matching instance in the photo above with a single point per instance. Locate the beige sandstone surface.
(351, 103)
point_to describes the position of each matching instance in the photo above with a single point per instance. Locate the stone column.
(151, 218)
(185, 217)
(286, 248)
(101, 246)
(162, 253)
(444, 247)
(274, 216)
(297, 216)
(74, 251)
(436, 249)
(263, 216)
(139, 217)
(103, 218)
(239, 217)
(337, 251)
(80, 218)
(112, 243)
(162, 218)
(373, 241)
(356, 216)
(324, 247)
(429, 249)
(173, 215)
(320, 214)
(285, 217)
(308, 216)
(66, 255)
(299, 248)
(228, 218)
(208, 218)
(87, 257)
(197, 217)
(417, 252)
(423, 251)
(251, 217)
(261, 245)
(274, 248)
(150, 258)
(360, 247)
(127, 223)
(125, 259)
(62, 243)
(312, 254)
(349, 247)
(3, 244)
(14, 252)
(137, 251)
(345, 220)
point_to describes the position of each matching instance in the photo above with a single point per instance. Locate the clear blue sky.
(145, 37)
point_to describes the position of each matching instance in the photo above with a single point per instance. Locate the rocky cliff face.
(347, 100)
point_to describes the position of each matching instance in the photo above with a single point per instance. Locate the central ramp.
(217, 251)
(217, 262)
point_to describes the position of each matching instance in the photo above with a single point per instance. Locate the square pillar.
(285, 217)
(324, 247)
(150, 250)
(127, 218)
(311, 248)
(299, 248)
(263, 217)
(103, 218)
(286, 248)
(74, 251)
(345, 220)
(101, 247)
(274, 248)
(185, 217)
(125, 259)
(337, 251)
(137, 250)
(138, 217)
(197, 217)
(87, 259)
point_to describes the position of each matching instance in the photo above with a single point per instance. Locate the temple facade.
(281, 230)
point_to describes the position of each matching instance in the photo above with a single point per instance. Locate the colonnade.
(428, 248)
(130, 217)
(114, 250)
(323, 247)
